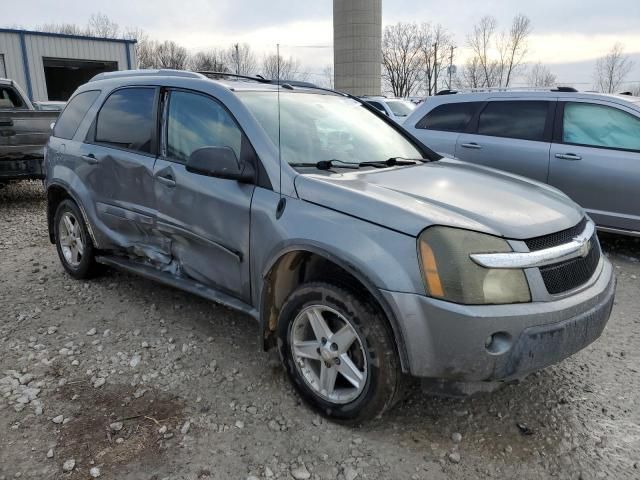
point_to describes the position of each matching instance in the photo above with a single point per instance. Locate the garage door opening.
(64, 75)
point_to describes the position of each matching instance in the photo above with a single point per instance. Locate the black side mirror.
(220, 162)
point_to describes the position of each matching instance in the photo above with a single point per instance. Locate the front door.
(511, 135)
(595, 159)
(206, 219)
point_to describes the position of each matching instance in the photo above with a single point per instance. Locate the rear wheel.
(339, 352)
(73, 242)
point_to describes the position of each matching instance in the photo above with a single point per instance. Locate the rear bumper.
(448, 341)
(21, 169)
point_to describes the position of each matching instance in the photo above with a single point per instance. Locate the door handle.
(568, 156)
(167, 180)
(6, 122)
(90, 159)
(471, 145)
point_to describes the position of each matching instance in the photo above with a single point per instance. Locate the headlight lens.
(450, 274)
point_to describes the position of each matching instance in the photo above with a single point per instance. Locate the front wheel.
(339, 352)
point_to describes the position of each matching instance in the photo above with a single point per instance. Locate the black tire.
(384, 381)
(87, 266)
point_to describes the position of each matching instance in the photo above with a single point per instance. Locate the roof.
(232, 82)
(467, 96)
(66, 35)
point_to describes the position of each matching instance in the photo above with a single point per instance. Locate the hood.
(447, 192)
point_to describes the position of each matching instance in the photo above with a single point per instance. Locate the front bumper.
(448, 341)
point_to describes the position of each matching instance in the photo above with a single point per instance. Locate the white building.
(50, 66)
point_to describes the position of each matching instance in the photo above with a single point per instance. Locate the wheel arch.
(297, 264)
(57, 192)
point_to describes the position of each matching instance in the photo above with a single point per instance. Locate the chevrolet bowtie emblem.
(585, 246)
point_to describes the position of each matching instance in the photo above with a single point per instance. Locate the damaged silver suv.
(365, 257)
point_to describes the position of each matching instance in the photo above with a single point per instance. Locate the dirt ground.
(122, 378)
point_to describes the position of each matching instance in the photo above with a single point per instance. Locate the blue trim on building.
(126, 47)
(65, 35)
(25, 65)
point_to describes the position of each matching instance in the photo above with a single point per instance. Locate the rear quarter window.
(73, 114)
(449, 117)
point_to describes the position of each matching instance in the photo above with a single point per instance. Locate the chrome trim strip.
(577, 247)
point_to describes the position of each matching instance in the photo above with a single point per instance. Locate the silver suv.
(364, 257)
(585, 144)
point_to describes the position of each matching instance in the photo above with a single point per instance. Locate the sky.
(567, 35)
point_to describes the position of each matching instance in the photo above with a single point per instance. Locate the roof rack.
(507, 89)
(257, 78)
(146, 73)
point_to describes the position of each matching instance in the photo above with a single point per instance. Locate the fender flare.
(67, 188)
(349, 268)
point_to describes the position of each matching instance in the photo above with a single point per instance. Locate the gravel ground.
(122, 378)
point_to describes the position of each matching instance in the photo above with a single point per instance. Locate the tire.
(79, 262)
(379, 378)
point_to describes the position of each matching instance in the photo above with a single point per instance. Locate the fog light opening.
(498, 343)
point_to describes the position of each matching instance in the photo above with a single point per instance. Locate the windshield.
(400, 108)
(317, 127)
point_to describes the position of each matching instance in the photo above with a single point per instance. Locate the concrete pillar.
(357, 46)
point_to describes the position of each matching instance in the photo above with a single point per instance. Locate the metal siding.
(10, 48)
(39, 46)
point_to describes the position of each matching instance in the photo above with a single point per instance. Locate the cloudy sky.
(567, 35)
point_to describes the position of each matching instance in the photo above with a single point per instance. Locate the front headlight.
(450, 274)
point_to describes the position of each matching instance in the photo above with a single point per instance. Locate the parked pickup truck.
(24, 130)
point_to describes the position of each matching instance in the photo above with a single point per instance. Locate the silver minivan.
(585, 144)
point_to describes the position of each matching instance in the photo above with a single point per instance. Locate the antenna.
(279, 140)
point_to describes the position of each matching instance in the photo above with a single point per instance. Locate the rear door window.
(127, 119)
(600, 126)
(449, 117)
(73, 114)
(525, 120)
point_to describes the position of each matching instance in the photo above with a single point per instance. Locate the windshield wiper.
(335, 163)
(390, 162)
(328, 164)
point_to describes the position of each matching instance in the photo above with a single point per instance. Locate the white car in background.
(397, 109)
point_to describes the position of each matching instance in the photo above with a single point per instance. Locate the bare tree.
(497, 55)
(513, 48)
(241, 59)
(100, 25)
(540, 76)
(472, 75)
(402, 58)
(327, 72)
(66, 28)
(635, 91)
(213, 60)
(480, 42)
(289, 68)
(436, 48)
(611, 69)
(171, 55)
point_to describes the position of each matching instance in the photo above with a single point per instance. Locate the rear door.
(512, 135)
(595, 159)
(441, 126)
(118, 169)
(206, 219)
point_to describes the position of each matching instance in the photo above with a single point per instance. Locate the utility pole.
(451, 65)
(237, 48)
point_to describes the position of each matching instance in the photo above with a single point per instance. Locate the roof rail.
(257, 78)
(507, 89)
(165, 72)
